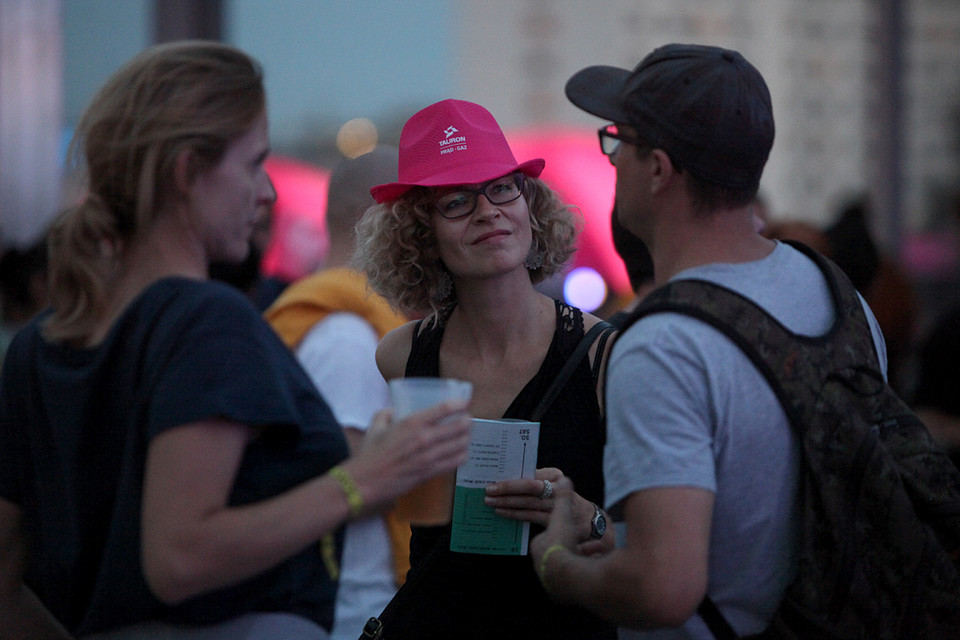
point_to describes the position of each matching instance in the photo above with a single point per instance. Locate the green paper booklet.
(499, 450)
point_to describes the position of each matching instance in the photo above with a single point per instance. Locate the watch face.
(599, 523)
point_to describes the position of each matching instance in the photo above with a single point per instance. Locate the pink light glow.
(298, 242)
(575, 168)
(584, 178)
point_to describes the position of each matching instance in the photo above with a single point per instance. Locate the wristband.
(328, 553)
(349, 488)
(542, 569)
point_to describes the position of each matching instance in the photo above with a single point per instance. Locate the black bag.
(879, 552)
(408, 614)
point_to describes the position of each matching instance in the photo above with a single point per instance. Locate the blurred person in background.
(636, 258)
(23, 288)
(879, 278)
(936, 396)
(334, 322)
(936, 391)
(167, 469)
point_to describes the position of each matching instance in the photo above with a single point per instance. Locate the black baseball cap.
(707, 107)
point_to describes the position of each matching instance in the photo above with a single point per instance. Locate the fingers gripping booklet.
(499, 450)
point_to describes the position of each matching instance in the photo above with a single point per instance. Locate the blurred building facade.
(866, 92)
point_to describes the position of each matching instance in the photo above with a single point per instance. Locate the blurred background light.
(357, 137)
(584, 288)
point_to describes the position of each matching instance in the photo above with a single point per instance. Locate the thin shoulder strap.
(568, 367)
(601, 347)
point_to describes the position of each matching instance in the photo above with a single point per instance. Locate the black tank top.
(486, 596)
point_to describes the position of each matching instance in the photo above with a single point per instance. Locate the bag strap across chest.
(795, 366)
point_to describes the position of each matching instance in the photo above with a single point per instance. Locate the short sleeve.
(658, 430)
(219, 359)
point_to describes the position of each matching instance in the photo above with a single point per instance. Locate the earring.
(444, 286)
(534, 260)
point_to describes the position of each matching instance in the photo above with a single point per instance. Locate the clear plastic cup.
(415, 394)
(430, 503)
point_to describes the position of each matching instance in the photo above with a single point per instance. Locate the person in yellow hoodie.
(333, 322)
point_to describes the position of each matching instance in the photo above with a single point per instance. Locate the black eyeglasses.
(610, 139)
(462, 201)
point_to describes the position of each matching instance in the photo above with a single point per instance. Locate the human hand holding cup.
(430, 503)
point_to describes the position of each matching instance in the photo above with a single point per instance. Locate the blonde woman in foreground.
(166, 467)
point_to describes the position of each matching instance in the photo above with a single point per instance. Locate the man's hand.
(560, 537)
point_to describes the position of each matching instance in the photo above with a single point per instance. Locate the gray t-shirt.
(685, 407)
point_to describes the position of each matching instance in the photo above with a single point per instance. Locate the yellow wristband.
(328, 553)
(542, 569)
(349, 488)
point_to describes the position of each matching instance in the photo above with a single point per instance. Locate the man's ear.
(662, 171)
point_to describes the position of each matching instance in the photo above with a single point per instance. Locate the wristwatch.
(598, 524)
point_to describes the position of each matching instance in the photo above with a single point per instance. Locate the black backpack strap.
(715, 621)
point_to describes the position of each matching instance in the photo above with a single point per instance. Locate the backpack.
(879, 543)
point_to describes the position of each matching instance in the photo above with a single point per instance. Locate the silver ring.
(547, 490)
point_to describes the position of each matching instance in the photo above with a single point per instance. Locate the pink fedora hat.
(452, 142)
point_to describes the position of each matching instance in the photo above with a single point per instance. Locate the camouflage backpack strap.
(794, 365)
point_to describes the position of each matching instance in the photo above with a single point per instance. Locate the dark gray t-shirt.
(75, 425)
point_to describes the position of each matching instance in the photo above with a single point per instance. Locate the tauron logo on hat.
(451, 139)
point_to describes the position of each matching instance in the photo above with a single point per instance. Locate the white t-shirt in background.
(338, 353)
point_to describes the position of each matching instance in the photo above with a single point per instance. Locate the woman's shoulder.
(191, 295)
(600, 343)
(193, 289)
(394, 349)
(177, 306)
(590, 321)
(574, 317)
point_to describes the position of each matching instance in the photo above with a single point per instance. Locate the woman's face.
(490, 240)
(228, 199)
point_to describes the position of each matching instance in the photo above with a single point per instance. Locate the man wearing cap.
(700, 460)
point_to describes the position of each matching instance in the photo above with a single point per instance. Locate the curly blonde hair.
(397, 249)
(190, 95)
